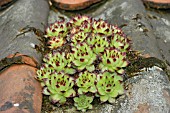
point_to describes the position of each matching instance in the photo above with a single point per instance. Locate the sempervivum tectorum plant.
(109, 86)
(56, 34)
(102, 27)
(113, 61)
(83, 57)
(98, 43)
(81, 23)
(55, 42)
(83, 102)
(59, 28)
(79, 20)
(58, 62)
(120, 42)
(44, 72)
(78, 38)
(86, 82)
(59, 87)
(85, 26)
(86, 57)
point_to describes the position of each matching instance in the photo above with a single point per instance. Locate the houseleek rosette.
(113, 61)
(83, 57)
(86, 82)
(85, 27)
(59, 87)
(60, 28)
(83, 102)
(58, 62)
(80, 20)
(120, 42)
(44, 72)
(98, 42)
(78, 38)
(56, 34)
(109, 86)
(101, 27)
(55, 42)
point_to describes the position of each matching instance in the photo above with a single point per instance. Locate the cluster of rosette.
(90, 65)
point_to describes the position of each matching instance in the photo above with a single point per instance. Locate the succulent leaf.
(45, 91)
(70, 70)
(90, 68)
(57, 98)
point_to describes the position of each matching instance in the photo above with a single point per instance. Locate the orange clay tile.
(158, 4)
(159, 1)
(6, 3)
(3, 2)
(20, 92)
(73, 4)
